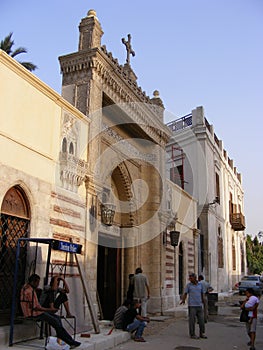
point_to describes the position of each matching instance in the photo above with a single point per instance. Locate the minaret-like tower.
(90, 32)
(78, 83)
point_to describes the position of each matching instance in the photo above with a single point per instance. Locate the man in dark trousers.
(32, 308)
(133, 321)
(141, 290)
(206, 289)
(194, 291)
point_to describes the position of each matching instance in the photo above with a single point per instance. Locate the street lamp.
(174, 238)
(107, 213)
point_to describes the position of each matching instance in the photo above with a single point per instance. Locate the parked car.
(253, 281)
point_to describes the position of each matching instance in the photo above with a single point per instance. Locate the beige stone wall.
(184, 209)
(32, 127)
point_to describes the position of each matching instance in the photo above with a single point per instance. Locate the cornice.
(124, 91)
(39, 85)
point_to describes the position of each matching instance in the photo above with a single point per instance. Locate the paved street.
(223, 331)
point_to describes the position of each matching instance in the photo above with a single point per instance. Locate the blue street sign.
(67, 247)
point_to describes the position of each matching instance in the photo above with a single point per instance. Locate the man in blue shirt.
(195, 293)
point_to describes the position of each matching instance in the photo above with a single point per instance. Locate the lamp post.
(107, 213)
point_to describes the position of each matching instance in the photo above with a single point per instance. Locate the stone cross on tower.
(128, 48)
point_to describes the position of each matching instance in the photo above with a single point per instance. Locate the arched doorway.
(109, 263)
(14, 224)
(181, 268)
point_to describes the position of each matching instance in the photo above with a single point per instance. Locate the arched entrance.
(109, 263)
(14, 224)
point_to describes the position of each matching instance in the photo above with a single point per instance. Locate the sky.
(194, 52)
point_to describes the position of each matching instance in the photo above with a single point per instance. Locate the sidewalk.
(170, 332)
(100, 341)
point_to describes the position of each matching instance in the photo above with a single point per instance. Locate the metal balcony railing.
(180, 123)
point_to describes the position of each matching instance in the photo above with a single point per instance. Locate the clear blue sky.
(195, 52)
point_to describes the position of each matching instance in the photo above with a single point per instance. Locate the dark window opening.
(64, 145)
(71, 148)
(176, 175)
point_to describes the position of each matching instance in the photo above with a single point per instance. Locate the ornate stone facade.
(126, 164)
(101, 146)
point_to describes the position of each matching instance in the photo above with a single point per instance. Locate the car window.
(250, 278)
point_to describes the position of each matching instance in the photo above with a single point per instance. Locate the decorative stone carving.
(72, 171)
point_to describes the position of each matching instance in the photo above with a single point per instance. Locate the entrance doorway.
(14, 224)
(181, 269)
(109, 280)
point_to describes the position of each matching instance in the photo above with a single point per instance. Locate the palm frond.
(7, 43)
(29, 65)
(18, 51)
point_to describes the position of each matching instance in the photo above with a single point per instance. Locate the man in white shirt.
(251, 305)
(141, 289)
(206, 289)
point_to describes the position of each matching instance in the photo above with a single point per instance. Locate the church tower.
(78, 86)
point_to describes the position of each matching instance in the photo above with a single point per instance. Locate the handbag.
(244, 316)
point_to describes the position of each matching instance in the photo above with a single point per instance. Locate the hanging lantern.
(107, 213)
(174, 237)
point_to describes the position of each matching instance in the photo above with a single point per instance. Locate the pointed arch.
(64, 145)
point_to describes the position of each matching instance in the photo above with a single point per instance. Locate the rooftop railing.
(181, 123)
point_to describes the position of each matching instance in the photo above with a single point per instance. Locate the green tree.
(7, 44)
(254, 255)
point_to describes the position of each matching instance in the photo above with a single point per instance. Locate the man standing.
(141, 289)
(31, 308)
(195, 293)
(206, 289)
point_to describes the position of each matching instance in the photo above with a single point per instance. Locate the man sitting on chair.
(54, 296)
(32, 308)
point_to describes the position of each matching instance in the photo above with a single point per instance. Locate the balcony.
(181, 123)
(237, 221)
(72, 171)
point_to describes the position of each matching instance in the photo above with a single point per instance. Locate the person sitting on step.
(134, 322)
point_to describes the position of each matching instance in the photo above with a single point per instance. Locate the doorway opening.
(109, 280)
(181, 268)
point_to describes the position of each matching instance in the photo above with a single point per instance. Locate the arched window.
(14, 224)
(220, 248)
(71, 148)
(64, 145)
(233, 254)
(242, 257)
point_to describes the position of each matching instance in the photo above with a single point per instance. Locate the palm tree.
(6, 45)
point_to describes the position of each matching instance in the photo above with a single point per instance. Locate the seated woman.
(54, 296)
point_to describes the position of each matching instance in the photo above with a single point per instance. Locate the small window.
(217, 188)
(71, 148)
(220, 248)
(64, 145)
(176, 175)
